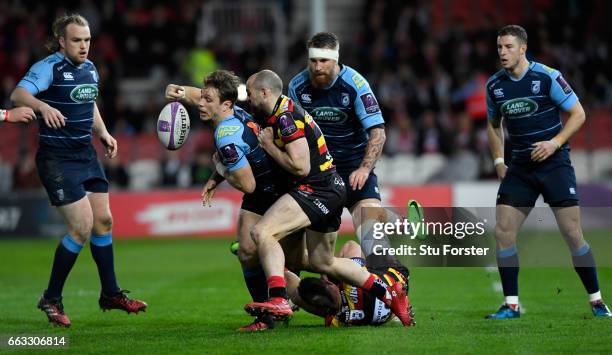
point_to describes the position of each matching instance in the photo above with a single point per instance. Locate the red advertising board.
(180, 212)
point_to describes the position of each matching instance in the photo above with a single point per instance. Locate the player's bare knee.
(103, 224)
(247, 254)
(81, 233)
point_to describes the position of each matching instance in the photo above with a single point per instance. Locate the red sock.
(276, 281)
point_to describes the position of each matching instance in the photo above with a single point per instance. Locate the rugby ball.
(173, 125)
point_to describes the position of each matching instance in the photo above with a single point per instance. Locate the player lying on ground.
(342, 304)
(315, 202)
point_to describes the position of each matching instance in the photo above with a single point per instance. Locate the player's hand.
(111, 145)
(542, 150)
(175, 92)
(358, 178)
(501, 170)
(208, 192)
(266, 137)
(53, 117)
(21, 114)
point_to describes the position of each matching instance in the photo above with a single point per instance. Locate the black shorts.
(258, 202)
(322, 199)
(554, 178)
(69, 175)
(369, 189)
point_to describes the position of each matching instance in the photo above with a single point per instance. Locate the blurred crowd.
(427, 62)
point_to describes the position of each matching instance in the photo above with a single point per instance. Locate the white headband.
(323, 53)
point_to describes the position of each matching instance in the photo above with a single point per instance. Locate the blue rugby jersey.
(344, 112)
(72, 90)
(530, 106)
(237, 145)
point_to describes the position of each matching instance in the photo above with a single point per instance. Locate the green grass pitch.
(195, 293)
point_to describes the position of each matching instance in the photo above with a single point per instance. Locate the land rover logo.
(518, 108)
(328, 114)
(84, 93)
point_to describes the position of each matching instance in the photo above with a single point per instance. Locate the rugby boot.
(261, 323)
(121, 301)
(54, 309)
(399, 303)
(278, 307)
(600, 309)
(505, 312)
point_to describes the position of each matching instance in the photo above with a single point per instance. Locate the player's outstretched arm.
(17, 114)
(544, 149)
(53, 117)
(188, 95)
(495, 134)
(376, 142)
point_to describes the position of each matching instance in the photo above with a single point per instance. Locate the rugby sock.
(65, 256)
(508, 266)
(102, 252)
(255, 280)
(277, 287)
(584, 264)
(376, 287)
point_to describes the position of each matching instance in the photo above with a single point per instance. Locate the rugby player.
(528, 96)
(17, 114)
(315, 202)
(343, 105)
(243, 163)
(63, 89)
(342, 304)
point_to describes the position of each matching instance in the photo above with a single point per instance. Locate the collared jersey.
(237, 145)
(344, 111)
(530, 106)
(291, 122)
(70, 88)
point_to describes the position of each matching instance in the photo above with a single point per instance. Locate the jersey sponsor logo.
(535, 86)
(329, 114)
(518, 108)
(369, 103)
(346, 100)
(499, 92)
(84, 93)
(229, 153)
(358, 80)
(287, 126)
(564, 85)
(321, 206)
(306, 98)
(225, 131)
(572, 190)
(68, 76)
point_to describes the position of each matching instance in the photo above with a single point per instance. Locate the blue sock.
(584, 264)
(66, 255)
(102, 252)
(508, 266)
(256, 282)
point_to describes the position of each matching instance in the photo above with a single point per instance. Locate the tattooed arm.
(375, 146)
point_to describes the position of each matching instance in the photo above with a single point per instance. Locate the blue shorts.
(369, 190)
(554, 179)
(68, 175)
